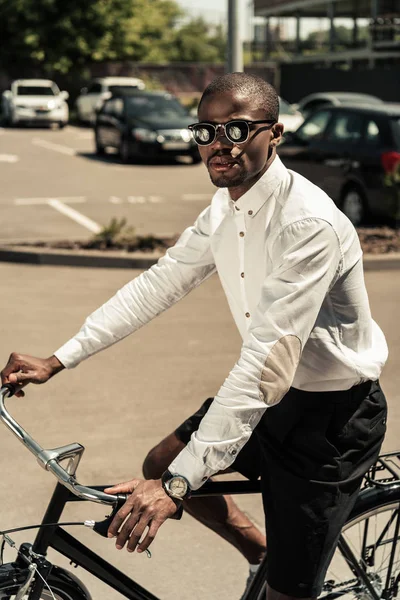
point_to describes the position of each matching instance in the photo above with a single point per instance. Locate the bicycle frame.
(68, 489)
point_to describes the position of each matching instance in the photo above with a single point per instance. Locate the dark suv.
(144, 125)
(353, 154)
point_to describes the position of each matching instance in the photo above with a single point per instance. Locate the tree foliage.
(56, 35)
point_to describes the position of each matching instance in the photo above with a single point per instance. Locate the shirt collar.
(255, 198)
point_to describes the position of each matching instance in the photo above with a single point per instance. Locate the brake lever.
(101, 527)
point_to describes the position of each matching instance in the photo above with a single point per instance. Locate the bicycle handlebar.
(50, 459)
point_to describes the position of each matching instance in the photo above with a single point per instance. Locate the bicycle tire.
(63, 584)
(373, 534)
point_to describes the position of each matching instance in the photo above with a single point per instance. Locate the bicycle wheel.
(63, 585)
(372, 536)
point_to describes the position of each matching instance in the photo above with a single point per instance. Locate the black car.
(353, 153)
(144, 125)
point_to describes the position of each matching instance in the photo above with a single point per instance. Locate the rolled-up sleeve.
(307, 260)
(183, 267)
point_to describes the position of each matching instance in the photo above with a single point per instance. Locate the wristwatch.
(176, 486)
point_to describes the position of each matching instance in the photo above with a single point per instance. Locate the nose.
(221, 140)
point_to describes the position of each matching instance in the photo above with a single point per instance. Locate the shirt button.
(241, 274)
(204, 478)
(234, 452)
(241, 234)
(247, 315)
(250, 212)
(237, 208)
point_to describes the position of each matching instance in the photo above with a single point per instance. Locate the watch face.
(178, 487)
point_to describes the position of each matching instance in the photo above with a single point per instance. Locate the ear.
(277, 132)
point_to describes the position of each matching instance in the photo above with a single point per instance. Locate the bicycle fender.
(64, 577)
(370, 498)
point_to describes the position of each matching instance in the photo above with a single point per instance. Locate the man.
(306, 381)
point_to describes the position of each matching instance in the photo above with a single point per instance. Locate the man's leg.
(219, 513)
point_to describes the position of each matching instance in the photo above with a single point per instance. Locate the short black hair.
(263, 93)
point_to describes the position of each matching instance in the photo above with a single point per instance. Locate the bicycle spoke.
(368, 564)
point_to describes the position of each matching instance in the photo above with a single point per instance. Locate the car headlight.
(144, 135)
(54, 104)
(186, 135)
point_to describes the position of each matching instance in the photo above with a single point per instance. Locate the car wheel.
(61, 125)
(124, 151)
(353, 205)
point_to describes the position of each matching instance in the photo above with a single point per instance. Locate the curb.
(120, 260)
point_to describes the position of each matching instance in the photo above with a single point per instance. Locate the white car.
(289, 116)
(35, 101)
(91, 98)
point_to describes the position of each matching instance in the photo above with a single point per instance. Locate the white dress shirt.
(290, 264)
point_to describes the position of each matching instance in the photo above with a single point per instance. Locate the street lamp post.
(235, 48)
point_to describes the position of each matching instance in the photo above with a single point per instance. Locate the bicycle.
(366, 564)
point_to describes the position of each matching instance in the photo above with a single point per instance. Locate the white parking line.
(55, 147)
(9, 158)
(75, 215)
(58, 204)
(32, 201)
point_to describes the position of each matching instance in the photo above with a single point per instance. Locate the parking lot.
(121, 402)
(55, 187)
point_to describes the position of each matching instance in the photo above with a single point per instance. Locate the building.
(366, 57)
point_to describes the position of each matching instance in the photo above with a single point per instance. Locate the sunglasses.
(236, 131)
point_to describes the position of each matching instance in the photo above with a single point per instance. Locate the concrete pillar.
(331, 17)
(298, 41)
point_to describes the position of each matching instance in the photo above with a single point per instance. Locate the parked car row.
(348, 144)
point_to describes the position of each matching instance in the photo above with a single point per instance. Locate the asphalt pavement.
(55, 187)
(122, 401)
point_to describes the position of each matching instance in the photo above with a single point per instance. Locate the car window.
(94, 88)
(121, 88)
(37, 90)
(158, 106)
(314, 127)
(315, 105)
(372, 133)
(346, 128)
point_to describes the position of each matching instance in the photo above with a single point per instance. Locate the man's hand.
(147, 506)
(22, 369)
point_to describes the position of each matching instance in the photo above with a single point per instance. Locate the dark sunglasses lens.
(203, 134)
(237, 131)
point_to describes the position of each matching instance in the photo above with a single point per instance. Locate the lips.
(224, 161)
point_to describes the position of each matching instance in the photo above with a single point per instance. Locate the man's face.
(252, 158)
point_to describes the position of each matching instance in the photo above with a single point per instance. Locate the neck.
(237, 192)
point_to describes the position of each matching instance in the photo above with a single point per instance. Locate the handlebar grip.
(11, 389)
(101, 527)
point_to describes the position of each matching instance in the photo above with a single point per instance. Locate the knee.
(160, 457)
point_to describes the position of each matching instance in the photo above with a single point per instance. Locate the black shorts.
(311, 451)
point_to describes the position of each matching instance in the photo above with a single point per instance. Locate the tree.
(195, 41)
(54, 35)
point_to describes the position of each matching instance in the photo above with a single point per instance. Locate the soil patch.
(374, 240)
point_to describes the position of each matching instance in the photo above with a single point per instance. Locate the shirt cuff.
(190, 467)
(70, 354)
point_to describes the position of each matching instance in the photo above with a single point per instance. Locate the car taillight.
(390, 160)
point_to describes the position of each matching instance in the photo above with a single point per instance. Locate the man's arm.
(183, 267)
(307, 261)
